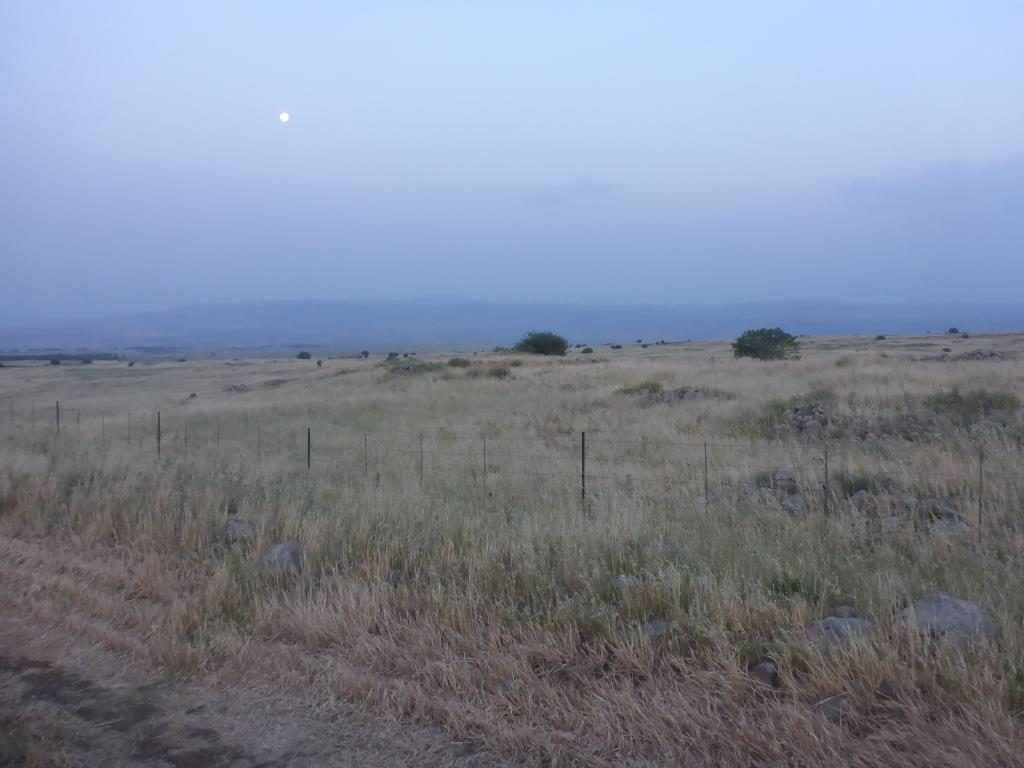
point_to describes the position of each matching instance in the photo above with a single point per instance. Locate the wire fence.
(979, 478)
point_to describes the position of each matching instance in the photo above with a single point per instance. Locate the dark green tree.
(766, 344)
(303, 355)
(543, 343)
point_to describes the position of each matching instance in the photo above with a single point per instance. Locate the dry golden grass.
(482, 601)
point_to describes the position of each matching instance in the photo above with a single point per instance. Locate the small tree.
(364, 354)
(953, 331)
(303, 355)
(766, 344)
(542, 343)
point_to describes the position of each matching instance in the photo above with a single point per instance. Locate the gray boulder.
(784, 480)
(834, 708)
(655, 629)
(281, 559)
(766, 672)
(793, 503)
(845, 612)
(237, 530)
(947, 618)
(835, 630)
(624, 582)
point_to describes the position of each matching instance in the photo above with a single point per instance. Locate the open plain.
(719, 573)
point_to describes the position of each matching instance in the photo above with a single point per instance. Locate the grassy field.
(456, 575)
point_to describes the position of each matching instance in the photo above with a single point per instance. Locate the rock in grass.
(766, 672)
(237, 530)
(785, 480)
(281, 559)
(834, 630)
(624, 582)
(944, 617)
(793, 503)
(834, 708)
(655, 629)
(844, 612)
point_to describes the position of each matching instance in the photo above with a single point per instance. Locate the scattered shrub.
(303, 355)
(131, 363)
(458, 362)
(499, 372)
(55, 361)
(953, 331)
(364, 354)
(766, 344)
(649, 387)
(616, 346)
(966, 409)
(587, 351)
(87, 361)
(392, 355)
(319, 363)
(880, 337)
(515, 363)
(491, 372)
(543, 343)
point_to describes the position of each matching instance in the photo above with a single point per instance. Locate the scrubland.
(456, 576)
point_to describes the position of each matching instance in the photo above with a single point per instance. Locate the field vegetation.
(455, 572)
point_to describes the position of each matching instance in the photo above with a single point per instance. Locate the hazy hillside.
(447, 322)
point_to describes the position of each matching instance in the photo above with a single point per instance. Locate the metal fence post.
(583, 466)
(707, 490)
(981, 486)
(826, 498)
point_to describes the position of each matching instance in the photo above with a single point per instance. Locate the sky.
(581, 152)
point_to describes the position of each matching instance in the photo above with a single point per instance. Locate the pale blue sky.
(586, 152)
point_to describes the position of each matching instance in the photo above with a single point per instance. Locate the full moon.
(284, 117)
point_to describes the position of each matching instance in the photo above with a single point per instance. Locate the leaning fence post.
(485, 468)
(158, 433)
(58, 417)
(707, 491)
(583, 466)
(366, 455)
(421, 459)
(309, 447)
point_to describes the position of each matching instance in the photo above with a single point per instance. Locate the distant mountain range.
(465, 323)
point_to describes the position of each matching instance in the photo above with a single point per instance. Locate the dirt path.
(65, 702)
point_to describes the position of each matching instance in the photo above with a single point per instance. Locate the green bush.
(880, 337)
(543, 343)
(392, 355)
(766, 344)
(458, 362)
(303, 355)
(616, 346)
(587, 351)
(364, 354)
